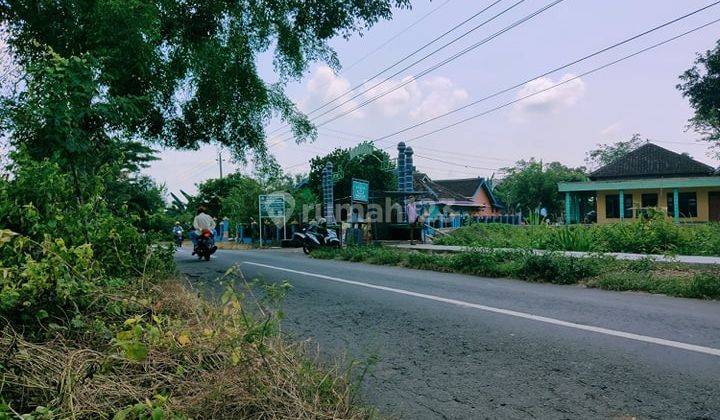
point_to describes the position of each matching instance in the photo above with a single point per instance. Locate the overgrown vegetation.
(152, 349)
(650, 236)
(596, 271)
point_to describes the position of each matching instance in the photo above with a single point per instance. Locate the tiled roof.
(652, 161)
(465, 187)
(453, 189)
(422, 182)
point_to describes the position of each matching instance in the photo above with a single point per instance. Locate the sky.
(561, 124)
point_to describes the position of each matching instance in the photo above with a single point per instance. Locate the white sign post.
(271, 206)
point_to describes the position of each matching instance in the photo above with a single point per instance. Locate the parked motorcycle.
(205, 247)
(311, 238)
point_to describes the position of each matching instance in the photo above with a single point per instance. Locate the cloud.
(417, 99)
(552, 100)
(612, 130)
(440, 96)
(397, 95)
(325, 86)
(395, 98)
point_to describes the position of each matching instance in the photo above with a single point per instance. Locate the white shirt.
(203, 221)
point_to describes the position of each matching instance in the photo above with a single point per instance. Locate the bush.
(51, 283)
(655, 235)
(556, 268)
(704, 286)
(595, 271)
(175, 356)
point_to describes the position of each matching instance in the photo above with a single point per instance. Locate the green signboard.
(360, 191)
(272, 205)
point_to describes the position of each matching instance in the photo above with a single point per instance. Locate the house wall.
(702, 199)
(482, 199)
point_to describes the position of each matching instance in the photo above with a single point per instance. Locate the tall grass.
(652, 236)
(596, 271)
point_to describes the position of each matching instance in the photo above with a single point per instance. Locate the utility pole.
(219, 159)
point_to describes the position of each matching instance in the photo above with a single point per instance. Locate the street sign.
(360, 191)
(272, 205)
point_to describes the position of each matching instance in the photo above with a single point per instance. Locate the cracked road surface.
(454, 346)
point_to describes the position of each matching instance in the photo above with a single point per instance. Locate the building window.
(649, 200)
(628, 205)
(612, 206)
(687, 201)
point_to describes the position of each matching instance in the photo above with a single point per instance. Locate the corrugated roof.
(652, 161)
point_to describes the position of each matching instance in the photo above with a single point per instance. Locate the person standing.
(411, 211)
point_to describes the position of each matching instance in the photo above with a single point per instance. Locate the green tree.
(530, 185)
(606, 154)
(240, 203)
(178, 73)
(304, 197)
(212, 192)
(701, 85)
(373, 165)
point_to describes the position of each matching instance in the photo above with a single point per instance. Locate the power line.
(587, 73)
(463, 154)
(455, 163)
(347, 133)
(554, 70)
(394, 37)
(425, 57)
(432, 41)
(436, 66)
(564, 82)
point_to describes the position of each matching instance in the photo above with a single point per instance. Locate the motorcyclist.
(202, 221)
(177, 232)
(322, 226)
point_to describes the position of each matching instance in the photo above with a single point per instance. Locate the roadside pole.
(260, 225)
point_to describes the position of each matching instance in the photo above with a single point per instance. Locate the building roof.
(652, 161)
(454, 189)
(422, 182)
(467, 187)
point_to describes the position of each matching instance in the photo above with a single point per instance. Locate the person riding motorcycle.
(203, 222)
(177, 233)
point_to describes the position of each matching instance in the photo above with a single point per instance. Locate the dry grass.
(232, 245)
(207, 361)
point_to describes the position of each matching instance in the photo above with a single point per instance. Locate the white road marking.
(606, 331)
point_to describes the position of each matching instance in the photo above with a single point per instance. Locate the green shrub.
(50, 282)
(702, 285)
(425, 261)
(385, 256)
(653, 235)
(558, 269)
(478, 263)
(705, 286)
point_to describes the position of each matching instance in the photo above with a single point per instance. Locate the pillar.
(622, 205)
(401, 166)
(568, 208)
(328, 201)
(676, 205)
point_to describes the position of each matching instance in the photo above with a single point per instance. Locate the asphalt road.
(456, 346)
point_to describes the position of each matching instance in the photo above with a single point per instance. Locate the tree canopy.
(530, 185)
(176, 73)
(701, 85)
(606, 154)
(372, 165)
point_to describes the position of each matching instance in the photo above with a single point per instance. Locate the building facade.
(471, 197)
(649, 178)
